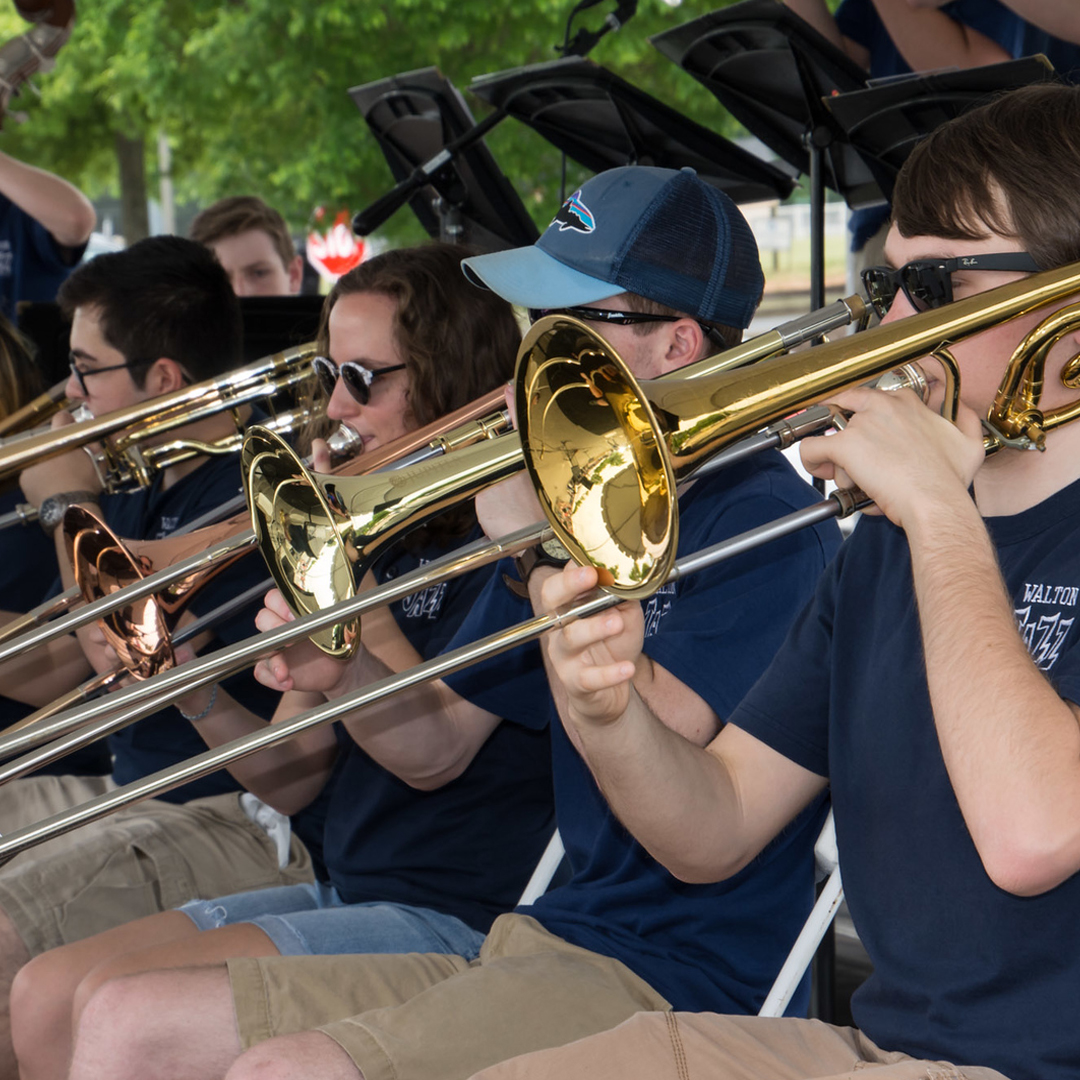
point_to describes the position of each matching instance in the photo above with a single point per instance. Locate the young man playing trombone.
(933, 683)
(622, 934)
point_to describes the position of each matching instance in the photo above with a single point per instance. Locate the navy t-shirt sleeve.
(788, 706)
(512, 684)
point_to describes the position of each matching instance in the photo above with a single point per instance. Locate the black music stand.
(771, 69)
(602, 122)
(273, 323)
(419, 116)
(885, 121)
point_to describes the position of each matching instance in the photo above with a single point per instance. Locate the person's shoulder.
(767, 475)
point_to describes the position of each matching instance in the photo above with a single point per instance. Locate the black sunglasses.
(357, 378)
(927, 283)
(81, 375)
(617, 318)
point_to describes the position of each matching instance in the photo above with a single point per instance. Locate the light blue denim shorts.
(313, 920)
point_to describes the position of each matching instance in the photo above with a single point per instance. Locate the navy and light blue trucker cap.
(661, 233)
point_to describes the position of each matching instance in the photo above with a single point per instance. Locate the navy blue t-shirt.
(704, 947)
(859, 20)
(32, 264)
(165, 738)
(963, 971)
(466, 848)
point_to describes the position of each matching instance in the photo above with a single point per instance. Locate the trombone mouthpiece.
(344, 443)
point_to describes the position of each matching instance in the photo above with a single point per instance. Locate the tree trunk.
(134, 215)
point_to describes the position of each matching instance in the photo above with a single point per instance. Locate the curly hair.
(458, 341)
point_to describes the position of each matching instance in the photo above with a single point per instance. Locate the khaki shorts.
(705, 1046)
(146, 858)
(431, 1017)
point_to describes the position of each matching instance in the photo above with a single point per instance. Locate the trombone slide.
(839, 504)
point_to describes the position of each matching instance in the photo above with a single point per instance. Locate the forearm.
(1058, 17)
(426, 736)
(40, 676)
(1010, 744)
(929, 39)
(287, 776)
(64, 210)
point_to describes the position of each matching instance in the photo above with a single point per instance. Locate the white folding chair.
(545, 870)
(819, 920)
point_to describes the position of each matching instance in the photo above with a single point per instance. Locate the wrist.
(53, 507)
(198, 705)
(352, 675)
(549, 553)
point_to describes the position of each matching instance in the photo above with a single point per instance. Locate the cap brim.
(532, 278)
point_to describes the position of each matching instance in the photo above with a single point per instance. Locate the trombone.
(149, 420)
(34, 414)
(767, 391)
(197, 548)
(318, 534)
(482, 420)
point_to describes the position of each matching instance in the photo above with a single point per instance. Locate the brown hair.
(20, 380)
(725, 337)
(1007, 167)
(458, 341)
(242, 213)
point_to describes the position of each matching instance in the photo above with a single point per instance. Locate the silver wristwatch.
(51, 511)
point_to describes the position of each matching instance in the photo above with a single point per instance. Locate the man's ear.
(686, 343)
(296, 274)
(163, 377)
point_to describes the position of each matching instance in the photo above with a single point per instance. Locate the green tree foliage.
(252, 93)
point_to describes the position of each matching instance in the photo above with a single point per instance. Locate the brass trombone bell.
(320, 533)
(140, 631)
(605, 452)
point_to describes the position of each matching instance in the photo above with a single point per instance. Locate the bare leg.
(295, 1057)
(51, 991)
(13, 955)
(177, 1024)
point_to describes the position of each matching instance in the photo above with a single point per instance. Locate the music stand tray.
(771, 69)
(602, 122)
(414, 116)
(885, 121)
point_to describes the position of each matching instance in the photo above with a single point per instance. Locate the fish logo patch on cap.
(574, 214)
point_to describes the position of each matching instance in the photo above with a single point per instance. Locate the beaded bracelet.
(206, 712)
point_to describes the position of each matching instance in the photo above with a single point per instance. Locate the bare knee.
(295, 1057)
(177, 1023)
(90, 983)
(113, 1030)
(40, 1002)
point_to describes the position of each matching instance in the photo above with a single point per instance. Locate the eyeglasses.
(618, 318)
(357, 378)
(82, 375)
(927, 283)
